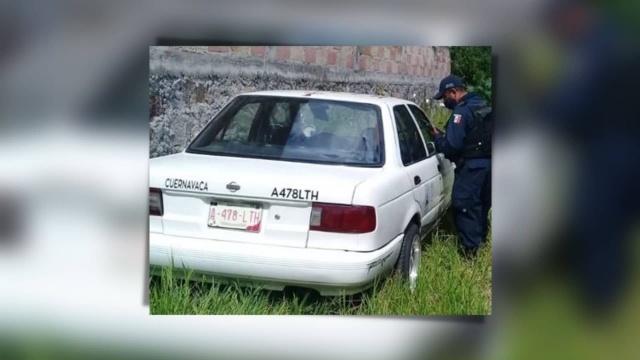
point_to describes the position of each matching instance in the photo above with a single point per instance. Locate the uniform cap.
(447, 83)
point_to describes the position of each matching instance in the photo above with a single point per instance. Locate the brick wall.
(415, 61)
(189, 85)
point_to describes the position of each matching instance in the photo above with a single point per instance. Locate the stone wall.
(189, 85)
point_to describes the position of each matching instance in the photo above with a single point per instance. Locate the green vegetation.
(448, 285)
(473, 64)
(438, 115)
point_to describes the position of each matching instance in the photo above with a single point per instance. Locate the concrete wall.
(189, 85)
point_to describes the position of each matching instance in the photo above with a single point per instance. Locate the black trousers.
(471, 201)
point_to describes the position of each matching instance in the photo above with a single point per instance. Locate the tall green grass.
(438, 115)
(448, 285)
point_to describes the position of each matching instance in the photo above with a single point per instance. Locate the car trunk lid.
(274, 197)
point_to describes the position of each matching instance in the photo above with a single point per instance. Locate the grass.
(448, 285)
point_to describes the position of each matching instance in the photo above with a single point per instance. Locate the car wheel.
(410, 254)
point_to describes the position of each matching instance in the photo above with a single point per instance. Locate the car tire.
(408, 265)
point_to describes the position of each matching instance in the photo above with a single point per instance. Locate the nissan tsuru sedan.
(321, 190)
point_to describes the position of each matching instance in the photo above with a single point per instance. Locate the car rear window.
(295, 129)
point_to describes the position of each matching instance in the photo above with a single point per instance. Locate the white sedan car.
(311, 189)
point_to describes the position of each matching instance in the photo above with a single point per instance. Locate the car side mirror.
(431, 148)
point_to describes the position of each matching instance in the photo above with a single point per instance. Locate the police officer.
(467, 142)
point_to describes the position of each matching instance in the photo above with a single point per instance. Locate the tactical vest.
(477, 142)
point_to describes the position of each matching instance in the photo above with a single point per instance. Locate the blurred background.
(74, 147)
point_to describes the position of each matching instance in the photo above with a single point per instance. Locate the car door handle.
(416, 180)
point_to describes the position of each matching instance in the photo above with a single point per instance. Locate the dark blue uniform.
(471, 197)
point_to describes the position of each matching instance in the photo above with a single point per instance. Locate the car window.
(280, 114)
(411, 146)
(279, 123)
(239, 127)
(425, 125)
(297, 129)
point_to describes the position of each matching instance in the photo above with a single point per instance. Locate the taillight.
(155, 202)
(353, 219)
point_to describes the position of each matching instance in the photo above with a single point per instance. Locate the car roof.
(332, 95)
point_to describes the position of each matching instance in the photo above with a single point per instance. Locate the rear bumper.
(331, 272)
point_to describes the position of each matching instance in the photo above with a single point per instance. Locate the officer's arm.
(452, 142)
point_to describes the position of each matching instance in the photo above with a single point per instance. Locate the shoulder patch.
(457, 118)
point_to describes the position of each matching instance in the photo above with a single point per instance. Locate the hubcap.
(414, 262)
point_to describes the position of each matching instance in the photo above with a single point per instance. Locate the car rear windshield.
(295, 129)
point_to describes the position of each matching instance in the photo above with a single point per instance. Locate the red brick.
(282, 53)
(397, 51)
(332, 57)
(366, 50)
(309, 55)
(377, 66)
(404, 57)
(402, 68)
(349, 61)
(297, 53)
(258, 50)
(383, 52)
(363, 62)
(348, 50)
(241, 50)
(321, 55)
(428, 60)
(219, 49)
(341, 59)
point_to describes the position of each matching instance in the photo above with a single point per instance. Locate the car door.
(445, 166)
(421, 169)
